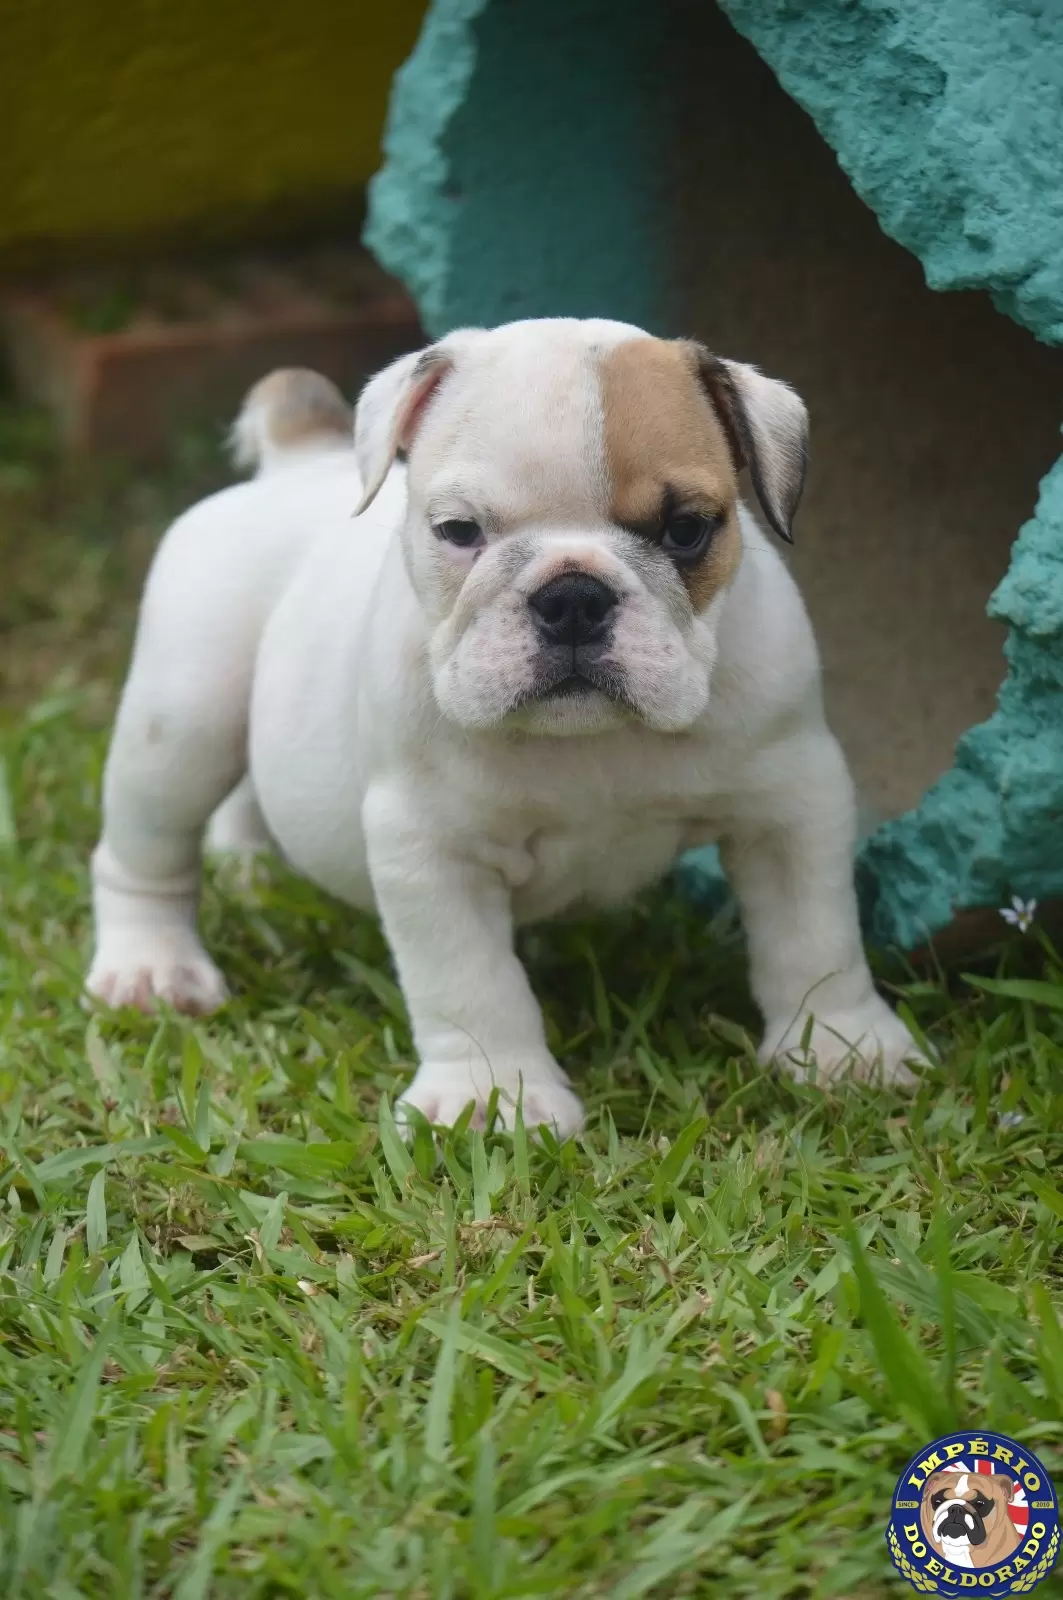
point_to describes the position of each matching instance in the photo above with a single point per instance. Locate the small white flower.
(1020, 913)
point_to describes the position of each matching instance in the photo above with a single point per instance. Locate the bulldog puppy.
(551, 652)
(965, 1517)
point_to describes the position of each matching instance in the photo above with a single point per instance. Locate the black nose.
(573, 609)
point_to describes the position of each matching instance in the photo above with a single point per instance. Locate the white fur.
(368, 671)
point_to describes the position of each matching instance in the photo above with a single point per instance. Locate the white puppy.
(551, 652)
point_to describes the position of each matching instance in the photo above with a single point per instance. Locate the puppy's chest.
(571, 869)
(594, 843)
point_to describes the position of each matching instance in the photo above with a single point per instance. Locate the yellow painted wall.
(124, 118)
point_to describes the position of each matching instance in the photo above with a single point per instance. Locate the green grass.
(252, 1346)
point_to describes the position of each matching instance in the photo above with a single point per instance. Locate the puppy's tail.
(288, 416)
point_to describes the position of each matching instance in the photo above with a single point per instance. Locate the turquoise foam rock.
(504, 116)
(527, 173)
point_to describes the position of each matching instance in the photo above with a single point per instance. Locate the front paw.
(868, 1042)
(174, 970)
(441, 1092)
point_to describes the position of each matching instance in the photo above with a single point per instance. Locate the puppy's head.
(572, 522)
(960, 1508)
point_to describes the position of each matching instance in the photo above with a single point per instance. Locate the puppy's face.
(970, 1510)
(572, 518)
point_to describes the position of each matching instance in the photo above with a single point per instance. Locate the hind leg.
(180, 741)
(179, 748)
(175, 755)
(238, 827)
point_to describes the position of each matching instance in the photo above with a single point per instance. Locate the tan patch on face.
(662, 437)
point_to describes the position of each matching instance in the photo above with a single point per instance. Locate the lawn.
(252, 1346)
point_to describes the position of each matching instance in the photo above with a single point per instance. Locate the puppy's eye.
(461, 531)
(936, 1499)
(982, 1504)
(686, 534)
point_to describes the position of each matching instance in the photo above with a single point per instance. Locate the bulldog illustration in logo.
(973, 1516)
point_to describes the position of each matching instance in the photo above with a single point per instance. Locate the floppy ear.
(389, 411)
(767, 425)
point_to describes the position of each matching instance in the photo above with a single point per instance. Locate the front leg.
(476, 1024)
(789, 856)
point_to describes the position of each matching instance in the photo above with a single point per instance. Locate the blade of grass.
(903, 1365)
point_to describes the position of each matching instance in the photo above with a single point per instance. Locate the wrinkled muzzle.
(957, 1520)
(572, 634)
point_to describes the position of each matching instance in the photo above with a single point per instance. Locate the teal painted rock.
(505, 115)
(528, 173)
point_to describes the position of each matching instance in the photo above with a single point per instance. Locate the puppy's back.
(238, 547)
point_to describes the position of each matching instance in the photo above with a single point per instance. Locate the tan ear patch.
(663, 438)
